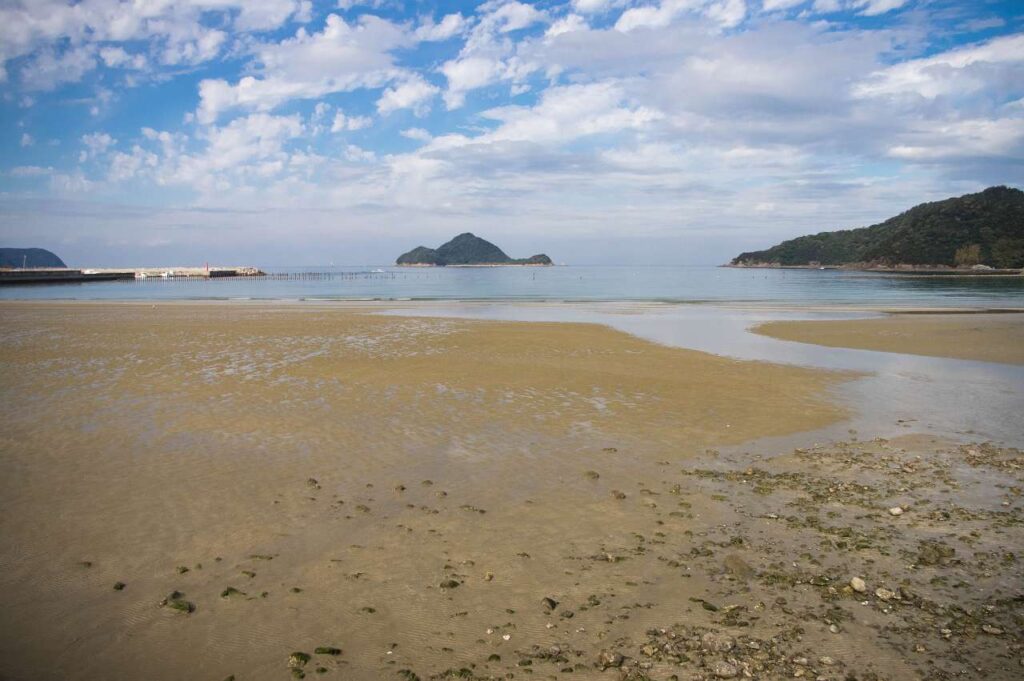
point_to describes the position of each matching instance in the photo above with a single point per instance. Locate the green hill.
(984, 228)
(29, 257)
(466, 249)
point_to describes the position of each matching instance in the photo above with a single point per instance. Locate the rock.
(549, 603)
(717, 643)
(593, 475)
(858, 585)
(119, 586)
(298, 660)
(608, 659)
(934, 553)
(327, 650)
(724, 670)
(738, 567)
(489, 577)
(176, 601)
(884, 594)
(989, 629)
(450, 584)
(313, 483)
(833, 628)
(618, 495)
(826, 661)
(895, 510)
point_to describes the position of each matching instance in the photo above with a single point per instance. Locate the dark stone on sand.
(738, 567)
(549, 603)
(327, 650)
(609, 659)
(450, 584)
(119, 586)
(176, 601)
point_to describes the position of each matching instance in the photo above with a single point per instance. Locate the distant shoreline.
(481, 264)
(910, 270)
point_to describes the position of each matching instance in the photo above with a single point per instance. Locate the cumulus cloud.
(343, 56)
(96, 144)
(414, 93)
(343, 122)
(176, 29)
(450, 26)
(960, 71)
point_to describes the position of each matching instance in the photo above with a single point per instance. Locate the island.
(465, 250)
(29, 257)
(980, 233)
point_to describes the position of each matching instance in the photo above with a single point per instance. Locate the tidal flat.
(272, 491)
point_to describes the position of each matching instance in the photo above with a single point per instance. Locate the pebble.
(884, 594)
(895, 510)
(833, 628)
(607, 659)
(724, 670)
(826, 660)
(718, 643)
(858, 585)
(989, 629)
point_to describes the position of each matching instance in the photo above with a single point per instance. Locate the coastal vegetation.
(986, 228)
(466, 249)
(29, 257)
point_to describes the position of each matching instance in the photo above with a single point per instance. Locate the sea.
(790, 288)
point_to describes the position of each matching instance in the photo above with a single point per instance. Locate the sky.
(297, 132)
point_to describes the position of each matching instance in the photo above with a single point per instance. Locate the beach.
(219, 490)
(982, 337)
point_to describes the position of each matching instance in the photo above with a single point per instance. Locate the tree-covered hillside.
(29, 257)
(466, 249)
(984, 228)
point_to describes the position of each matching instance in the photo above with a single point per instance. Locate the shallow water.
(677, 284)
(947, 397)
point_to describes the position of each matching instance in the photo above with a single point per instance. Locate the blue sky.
(599, 131)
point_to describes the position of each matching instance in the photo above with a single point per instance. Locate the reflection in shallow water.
(948, 397)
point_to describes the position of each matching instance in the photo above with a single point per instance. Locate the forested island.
(980, 231)
(29, 257)
(465, 250)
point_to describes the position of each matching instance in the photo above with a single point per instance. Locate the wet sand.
(410, 491)
(982, 337)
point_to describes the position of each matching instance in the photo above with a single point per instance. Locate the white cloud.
(774, 5)
(414, 93)
(178, 31)
(944, 141)
(876, 7)
(468, 74)
(116, 57)
(416, 134)
(30, 171)
(567, 24)
(568, 112)
(340, 58)
(27, 140)
(726, 13)
(96, 144)
(343, 122)
(591, 6)
(956, 72)
(127, 166)
(450, 26)
(50, 69)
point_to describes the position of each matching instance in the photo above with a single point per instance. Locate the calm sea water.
(675, 284)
